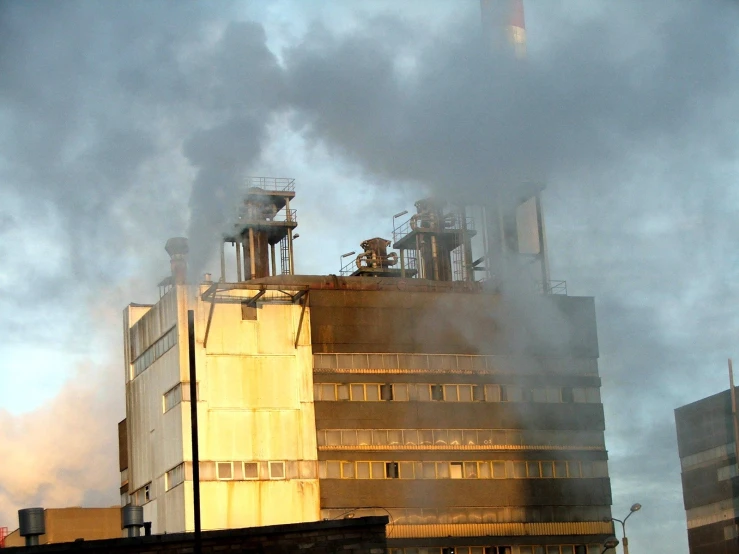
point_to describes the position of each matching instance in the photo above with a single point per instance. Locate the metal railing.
(554, 287)
(455, 222)
(283, 216)
(270, 183)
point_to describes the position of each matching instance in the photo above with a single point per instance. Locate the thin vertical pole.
(194, 430)
(252, 255)
(274, 259)
(734, 422)
(223, 262)
(402, 263)
(542, 244)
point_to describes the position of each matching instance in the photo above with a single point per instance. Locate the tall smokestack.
(177, 249)
(504, 25)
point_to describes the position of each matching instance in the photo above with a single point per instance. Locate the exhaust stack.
(177, 249)
(504, 25)
(31, 525)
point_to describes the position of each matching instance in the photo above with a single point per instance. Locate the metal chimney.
(177, 249)
(504, 25)
(31, 524)
(132, 519)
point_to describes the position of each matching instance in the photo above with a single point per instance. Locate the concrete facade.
(472, 421)
(705, 438)
(258, 457)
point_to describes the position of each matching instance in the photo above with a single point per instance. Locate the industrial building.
(449, 385)
(706, 439)
(70, 524)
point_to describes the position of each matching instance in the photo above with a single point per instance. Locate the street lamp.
(396, 216)
(611, 542)
(634, 508)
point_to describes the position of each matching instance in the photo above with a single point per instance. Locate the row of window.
(155, 351)
(459, 362)
(242, 471)
(458, 437)
(462, 470)
(551, 549)
(179, 393)
(700, 458)
(426, 392)
(479, 515)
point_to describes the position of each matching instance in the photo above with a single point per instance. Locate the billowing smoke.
(124, 124)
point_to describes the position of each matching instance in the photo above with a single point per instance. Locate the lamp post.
(634, 508)
(611, 542)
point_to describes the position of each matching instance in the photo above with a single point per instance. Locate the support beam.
(300, 322)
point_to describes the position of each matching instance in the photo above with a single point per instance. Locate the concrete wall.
(255, 406)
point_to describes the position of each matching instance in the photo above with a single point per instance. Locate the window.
(277, 470)
(519, 470)
(386, 392)
(155, 351)
(147, 492)
(347, 470)
(251, 470)
(224, 470)
(560, 470)
(534, 472)
(391, 470)
(343, 392)
(567, 397)
(174, 476)
(478, 393)
(499, 470)
(172, 397)
(437, 393)
(492, 393)
(539, 395)
(455, 470)
(400, 392)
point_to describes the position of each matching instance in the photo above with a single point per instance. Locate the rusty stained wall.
(256, 390)
(437, 322)
(395, 336)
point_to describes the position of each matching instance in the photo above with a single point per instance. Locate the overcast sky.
(122, 124)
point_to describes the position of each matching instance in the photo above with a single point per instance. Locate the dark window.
(581, 549)
(567, 397)
(437, 392)
(478, 393)
(447, 551)
(386, 392)
(391, 470)
(503, 394)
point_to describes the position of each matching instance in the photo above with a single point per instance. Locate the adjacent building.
(70, 524)
(708, 457)
(407, 387)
